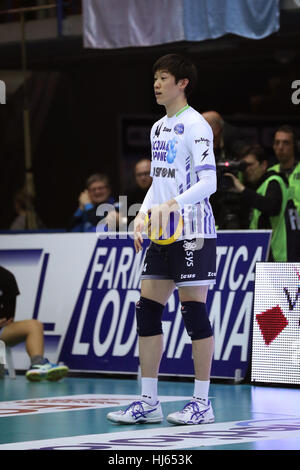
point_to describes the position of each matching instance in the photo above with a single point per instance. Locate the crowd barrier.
(84, 289)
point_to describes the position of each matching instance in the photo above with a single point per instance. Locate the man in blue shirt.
(97, 192)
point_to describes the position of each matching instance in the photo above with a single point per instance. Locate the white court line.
(172, 437)
(71, 403)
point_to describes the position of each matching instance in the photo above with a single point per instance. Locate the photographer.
(226, 203)
(266, 194)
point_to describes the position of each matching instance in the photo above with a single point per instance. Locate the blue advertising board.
(101, 334)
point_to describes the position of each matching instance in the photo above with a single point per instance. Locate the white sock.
(201, 390)
(149, 390)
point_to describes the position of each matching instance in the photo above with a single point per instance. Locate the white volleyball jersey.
(182, 148)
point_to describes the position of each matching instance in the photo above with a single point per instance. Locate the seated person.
(97, 192)
(143, 181)
(26, 216)
(31, 331)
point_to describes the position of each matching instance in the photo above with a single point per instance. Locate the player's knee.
(148, 317)
(36, 326)
(196, 320)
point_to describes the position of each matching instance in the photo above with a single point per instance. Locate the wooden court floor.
(71, 415)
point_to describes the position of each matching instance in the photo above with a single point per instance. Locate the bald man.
(228, 140)
(227, 146)
(216, 122)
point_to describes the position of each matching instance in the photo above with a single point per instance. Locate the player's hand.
(139, 225)
(159, 220)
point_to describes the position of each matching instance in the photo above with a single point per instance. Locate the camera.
(230, 166)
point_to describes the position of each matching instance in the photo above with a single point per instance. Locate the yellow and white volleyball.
(171, 233)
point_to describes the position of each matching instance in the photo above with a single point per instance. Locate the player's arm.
(199, 142)
(206, 185)
(140, 220)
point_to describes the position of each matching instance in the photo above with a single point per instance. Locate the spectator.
(26, 218)
(265, 194)
(228, 141)
(31, 331)
(227, 147)
(143, 182)
(284, 147)
(97, 192)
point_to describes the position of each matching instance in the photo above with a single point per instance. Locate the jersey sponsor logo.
(166, 129)
(198, 141)
(204, 155)
(164, 172)
(187, 276)
(189, 257)
(211, 274)
(172, 151)
(190, 245)
(179, 129)
(164, 151)
(157, 130)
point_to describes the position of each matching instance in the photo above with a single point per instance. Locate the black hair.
(257, 151)
(180, 67)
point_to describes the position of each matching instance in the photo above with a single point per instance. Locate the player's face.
(254, 170)
(283, 146)
(166, 90)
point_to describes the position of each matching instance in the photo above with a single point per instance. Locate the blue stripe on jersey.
(188, 172)
(205, 167)
(198, 219)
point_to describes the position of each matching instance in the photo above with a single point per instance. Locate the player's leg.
(196, 260)
(198, 410)
(154, 296)
(32, 333)
(194, 297)
(151, 347)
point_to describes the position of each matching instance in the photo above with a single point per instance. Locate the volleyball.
(171, 233)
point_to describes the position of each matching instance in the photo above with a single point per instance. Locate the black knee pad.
(148, 317)
(196, 320)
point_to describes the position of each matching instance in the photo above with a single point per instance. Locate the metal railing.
(10, 10)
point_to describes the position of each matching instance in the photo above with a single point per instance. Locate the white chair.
(6, 359)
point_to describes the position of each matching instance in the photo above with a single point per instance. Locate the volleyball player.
(184, 176)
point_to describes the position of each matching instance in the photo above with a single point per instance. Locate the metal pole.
(29, 182)
(59, 14)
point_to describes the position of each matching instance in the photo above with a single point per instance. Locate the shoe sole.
(58, 373)
(138, 421)
(35, 377)
(180, 423)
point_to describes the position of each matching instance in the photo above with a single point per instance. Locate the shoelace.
(194, 407)
(137, 410)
